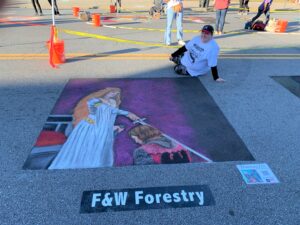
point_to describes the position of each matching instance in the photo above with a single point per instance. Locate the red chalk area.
(48, 138)
(21, 20)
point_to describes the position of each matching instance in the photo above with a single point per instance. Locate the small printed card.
(257, 174)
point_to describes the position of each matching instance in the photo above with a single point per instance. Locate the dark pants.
(244, 6)
(203, 3)
(220, 19)
(259, 13)
(36, 3)
(179, 68)
(56, 12)
(118, 5)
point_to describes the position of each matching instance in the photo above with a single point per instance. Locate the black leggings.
(259, 13)
(203, 3)
(55, 7)
(34, 3)
(244, 5)
(118, 3)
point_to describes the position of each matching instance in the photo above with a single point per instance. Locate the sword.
(142, 122)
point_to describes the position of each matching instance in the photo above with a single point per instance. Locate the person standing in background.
(244, 8)
(204, 4)
(221, 7)
(118, 5)
(174, 9)
(56, 12)
(263, 8)
(36, 3)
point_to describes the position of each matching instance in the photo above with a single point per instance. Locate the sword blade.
(142, 122)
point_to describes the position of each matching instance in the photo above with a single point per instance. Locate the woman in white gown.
(90, 145)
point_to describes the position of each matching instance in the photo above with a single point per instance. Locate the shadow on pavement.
(102, 54)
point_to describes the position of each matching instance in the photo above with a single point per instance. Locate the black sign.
(146, 198)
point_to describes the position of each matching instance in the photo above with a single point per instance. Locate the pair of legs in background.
(36, 5)
(204, 4)
(220, 20)
(38, 9)
(244, 8)
(56, 12)
(170, 16)
(118, 5)
(259, 13)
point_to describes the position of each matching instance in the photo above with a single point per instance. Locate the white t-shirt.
(172, 3)
(200, 57)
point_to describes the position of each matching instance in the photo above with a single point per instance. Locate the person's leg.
(201, 3)
(56, 8)
(170, 15)
(218, 15)
(179, 17)
(247, 6)
(118, 5)
(50, 3)
(39, 6)
(241, 6)
(177, 60)
(267, 14)
(222, 19)
(56, 12)
(181, 70)
(34, 6)
(257, 15)
(206, 4)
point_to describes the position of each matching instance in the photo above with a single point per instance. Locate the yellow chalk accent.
(106, 38)
(148, 29)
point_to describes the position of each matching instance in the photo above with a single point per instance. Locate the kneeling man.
(198, 56)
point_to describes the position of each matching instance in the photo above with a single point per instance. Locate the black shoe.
(179, 71)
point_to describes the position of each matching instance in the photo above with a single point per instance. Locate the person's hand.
(220, 80)
(118, 128)
(132, 116)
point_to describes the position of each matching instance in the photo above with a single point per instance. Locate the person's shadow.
(103, 54)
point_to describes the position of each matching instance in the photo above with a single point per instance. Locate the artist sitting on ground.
(198, 56)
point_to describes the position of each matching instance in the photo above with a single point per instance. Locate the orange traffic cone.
(281, 26)
(96, 20)
(113, 9)
(76, 11)
(56, 49)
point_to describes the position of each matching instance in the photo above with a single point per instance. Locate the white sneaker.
(181, 43)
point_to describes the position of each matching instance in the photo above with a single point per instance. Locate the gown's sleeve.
(92, 105)
(122, 112)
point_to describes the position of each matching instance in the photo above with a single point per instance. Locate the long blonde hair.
(81, 109)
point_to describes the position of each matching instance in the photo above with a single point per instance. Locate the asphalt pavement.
(264, 114)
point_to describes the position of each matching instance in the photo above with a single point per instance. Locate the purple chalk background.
(154, 99)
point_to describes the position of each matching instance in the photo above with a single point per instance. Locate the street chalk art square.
(257, 174)
(120, 122)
